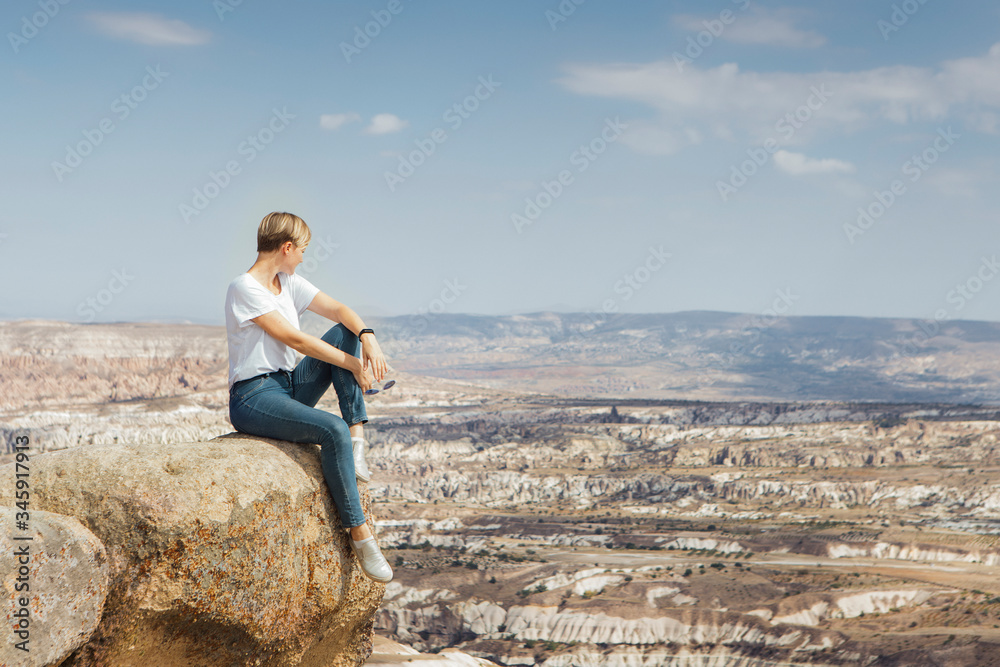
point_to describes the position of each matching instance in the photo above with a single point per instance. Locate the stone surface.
(226, 552)
(62, 589)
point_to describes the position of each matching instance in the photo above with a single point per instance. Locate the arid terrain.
(539, 509)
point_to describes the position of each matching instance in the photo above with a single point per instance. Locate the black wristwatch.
(364, 331)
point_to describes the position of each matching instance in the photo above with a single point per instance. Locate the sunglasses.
(374, 390)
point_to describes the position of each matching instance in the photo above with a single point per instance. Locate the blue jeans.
(280, 405)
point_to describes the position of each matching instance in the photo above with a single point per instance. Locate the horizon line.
(592, 314)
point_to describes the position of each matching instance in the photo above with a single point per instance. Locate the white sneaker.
(372, 562)
(360, 464)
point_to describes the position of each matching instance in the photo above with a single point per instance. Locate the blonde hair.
(276, 229)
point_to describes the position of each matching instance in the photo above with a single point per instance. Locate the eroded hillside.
(606, 529)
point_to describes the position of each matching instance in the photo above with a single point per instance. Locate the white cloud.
(146, 28)
(723, 100)
(760, 26)
(798, 164)
(333, 121)
(385, 123)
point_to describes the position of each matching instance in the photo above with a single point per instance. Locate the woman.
(270, 396)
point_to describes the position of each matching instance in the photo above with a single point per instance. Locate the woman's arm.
(276, 326)
(333, 310)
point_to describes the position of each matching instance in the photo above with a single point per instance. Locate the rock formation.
(388, 653)
(55, 586)
(226, 552)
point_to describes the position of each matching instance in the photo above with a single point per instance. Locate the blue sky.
(504, 157)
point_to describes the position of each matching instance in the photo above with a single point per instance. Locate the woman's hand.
(362, 375)
(372, 357)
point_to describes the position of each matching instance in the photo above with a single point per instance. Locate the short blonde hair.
(276, 229)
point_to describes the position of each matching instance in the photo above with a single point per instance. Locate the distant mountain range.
(697, 356)
(702, 355)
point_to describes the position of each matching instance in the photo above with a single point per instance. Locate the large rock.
(226, 552)
(55, 581)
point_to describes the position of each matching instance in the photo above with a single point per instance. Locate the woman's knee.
(335, 430)
(342, 338)
(336, 333)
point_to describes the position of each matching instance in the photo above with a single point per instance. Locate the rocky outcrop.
(670, 494)
(55, 580)
(226, 552)
(912, 552)
(134, 423)
(45, 363)
(849, 605)
(388, 653)
(574, 438)
(481, 618)
(641, 656)
(590, 464)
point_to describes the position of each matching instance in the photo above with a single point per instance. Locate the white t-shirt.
(252, 351)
